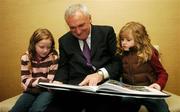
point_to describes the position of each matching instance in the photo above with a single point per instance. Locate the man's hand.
(92, 80)
(155, 86)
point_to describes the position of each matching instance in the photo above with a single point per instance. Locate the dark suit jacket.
(72, 67)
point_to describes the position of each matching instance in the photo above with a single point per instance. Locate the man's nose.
(78, 31)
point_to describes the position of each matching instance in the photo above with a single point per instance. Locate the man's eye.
(72, 27)
(81, 25)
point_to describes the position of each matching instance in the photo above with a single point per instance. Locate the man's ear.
(90, 19)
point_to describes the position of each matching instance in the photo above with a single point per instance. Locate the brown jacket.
(137, 74)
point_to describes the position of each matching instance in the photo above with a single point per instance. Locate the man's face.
(80, 25)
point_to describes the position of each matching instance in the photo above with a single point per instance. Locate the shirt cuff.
(105, 73)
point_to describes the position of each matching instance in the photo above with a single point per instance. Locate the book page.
(111, 88)
(118, 87)
(68, 86)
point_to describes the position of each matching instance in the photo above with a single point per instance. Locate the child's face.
(127, 41)
(43, 47)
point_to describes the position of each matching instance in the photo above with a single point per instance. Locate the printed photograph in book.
(117, 87)
(136, 88)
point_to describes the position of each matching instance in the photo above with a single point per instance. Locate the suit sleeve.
(113, 67)
(62, 72)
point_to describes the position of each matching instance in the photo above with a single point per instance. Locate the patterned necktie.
(87, 53)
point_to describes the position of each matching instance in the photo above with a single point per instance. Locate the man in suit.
(76, 68)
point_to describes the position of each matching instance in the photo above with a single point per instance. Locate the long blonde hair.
(38, 35)
(141, 38)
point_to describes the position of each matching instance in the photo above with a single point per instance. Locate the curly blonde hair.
(141, 38)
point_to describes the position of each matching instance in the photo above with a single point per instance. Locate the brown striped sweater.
(41, 71)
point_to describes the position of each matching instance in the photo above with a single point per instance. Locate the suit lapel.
(78, 50)
(76, 46)
(93, 41)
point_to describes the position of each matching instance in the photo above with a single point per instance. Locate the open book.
(110, 87)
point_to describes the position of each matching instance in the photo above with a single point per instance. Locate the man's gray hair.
(71, 10)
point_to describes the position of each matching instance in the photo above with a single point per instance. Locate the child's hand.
(57, 82)
(42, 79)
(155, 86)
